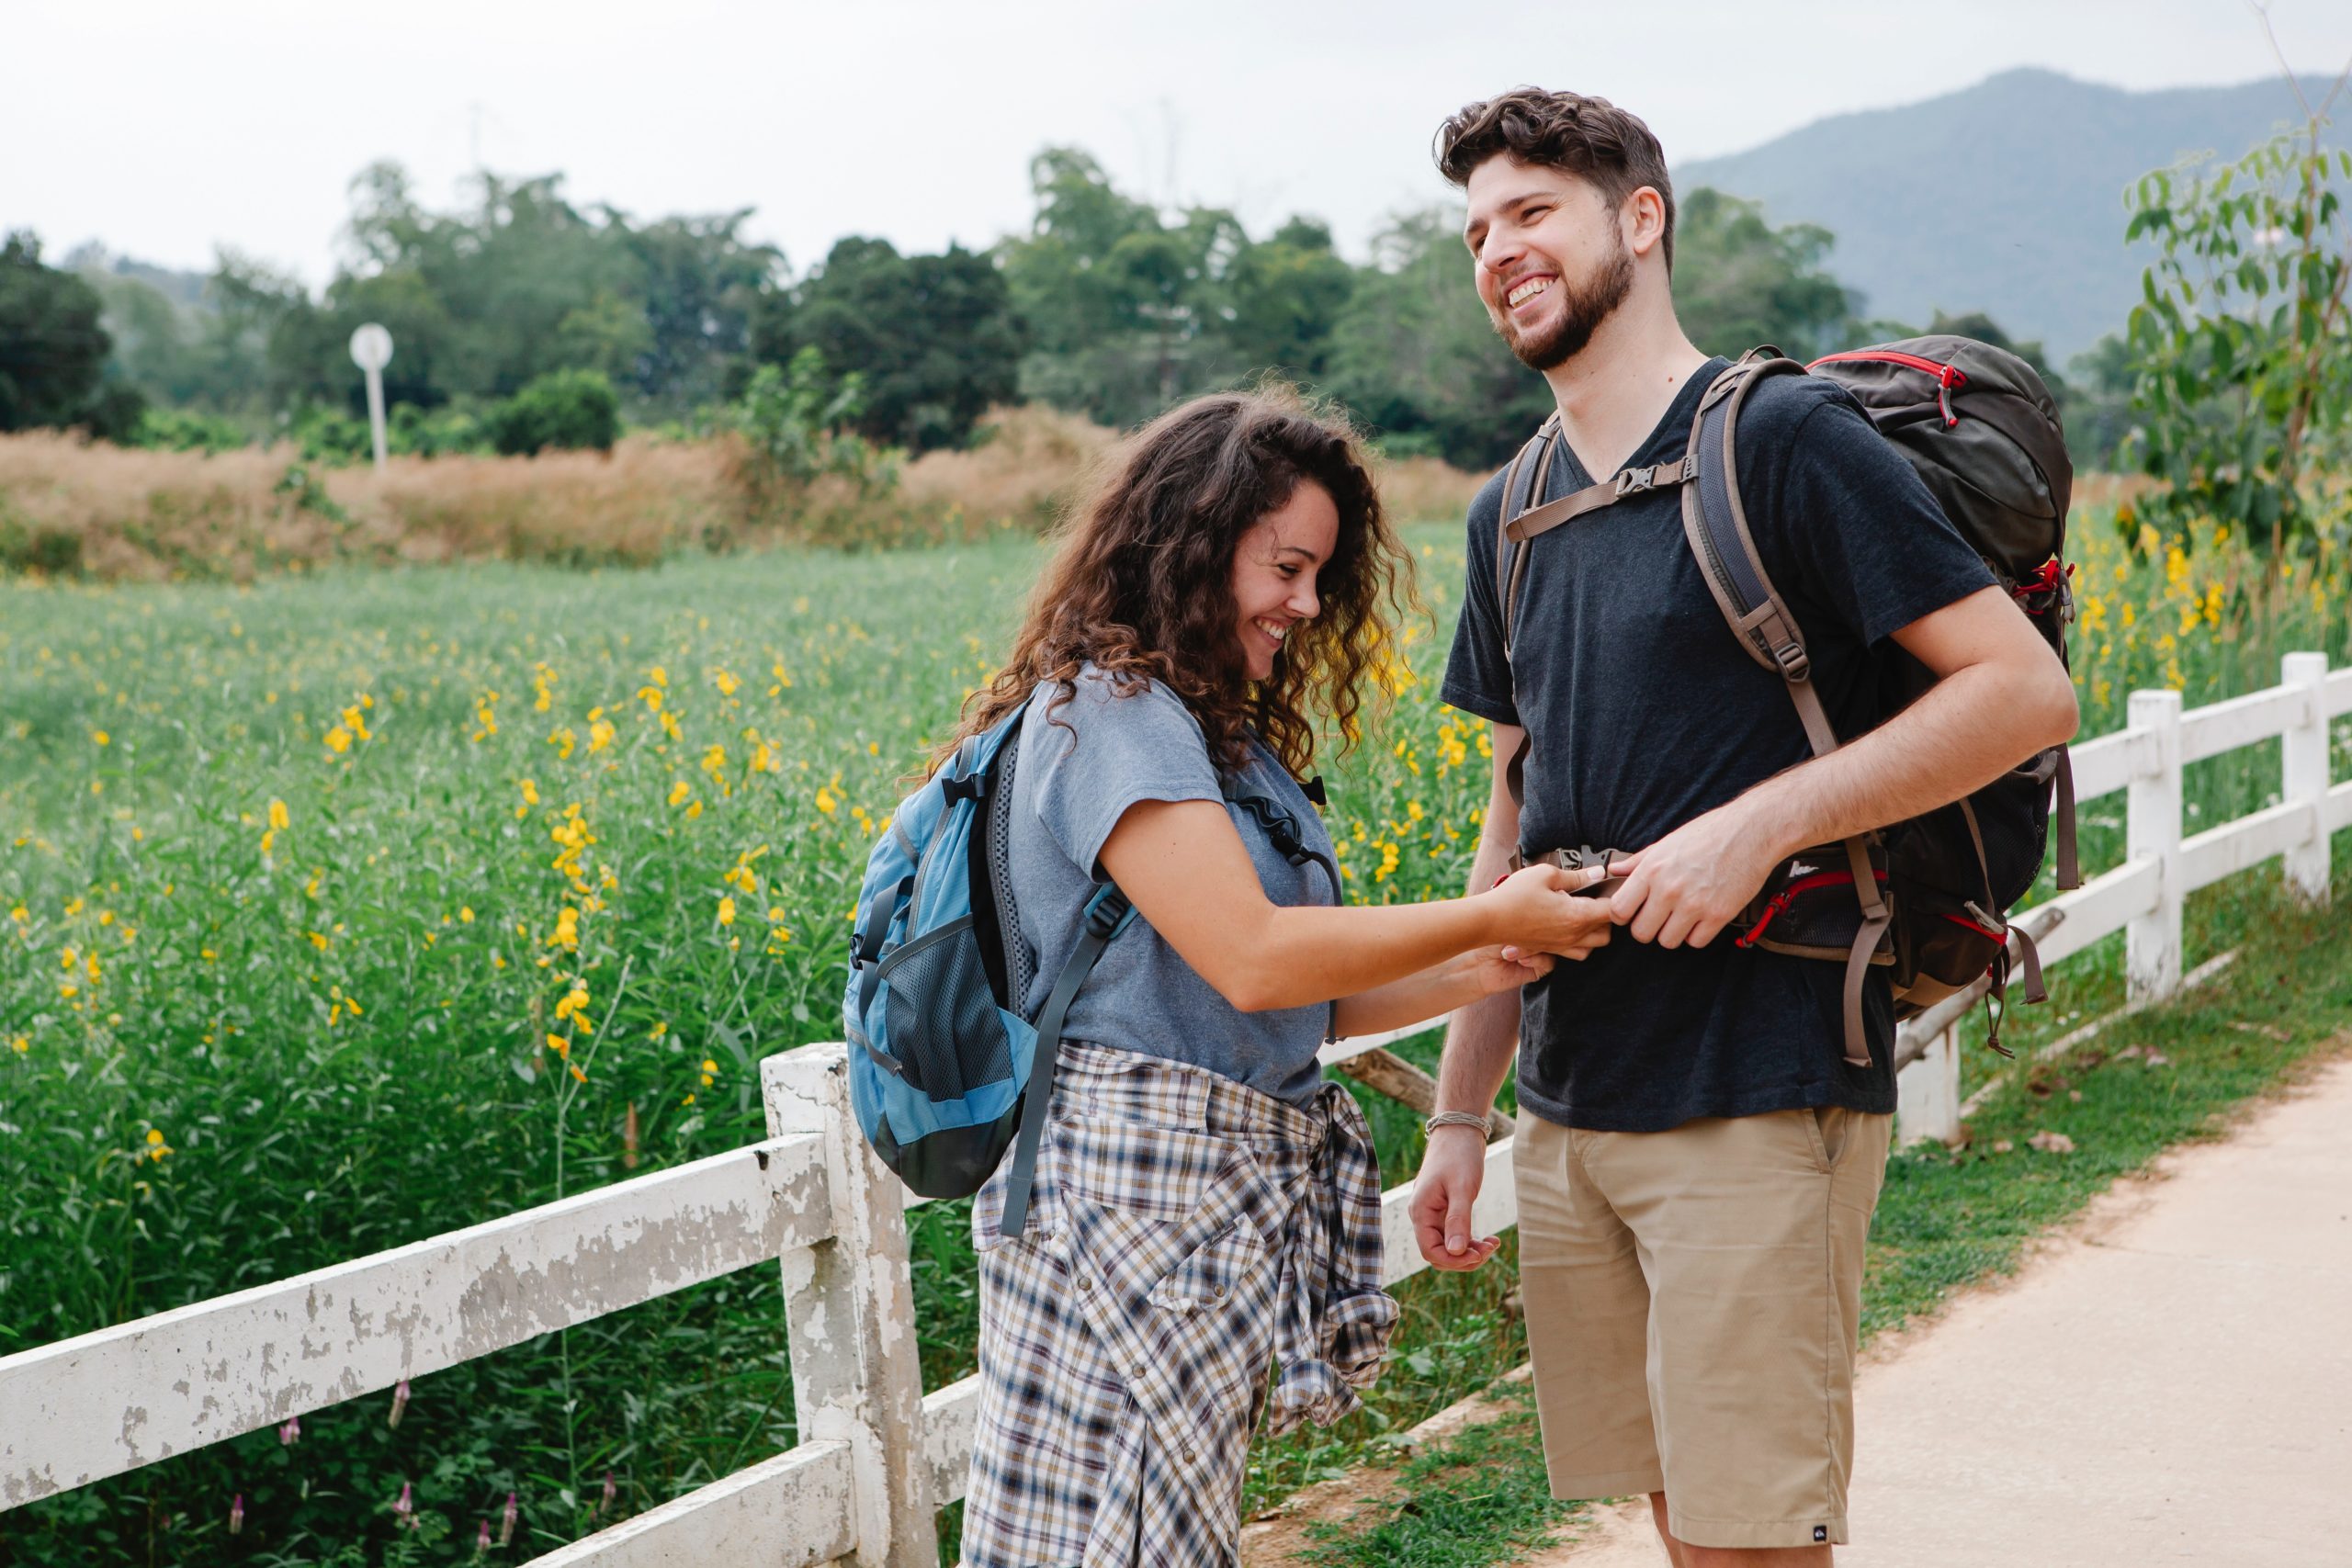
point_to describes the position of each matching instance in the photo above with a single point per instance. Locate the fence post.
(849, 1313)
(2303, 774)
(1927, 1091)
(2152, 945)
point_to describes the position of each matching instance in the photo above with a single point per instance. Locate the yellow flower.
(21, 915)
(726, 682)
(694, 810)
(559, 1045)
(576, 1073)
(825, 802)
(679, 792)
(338, 740)
(727, 911)
(600, 735)
(22, 1044)
(318, 942)
(464, 914)
(99, 736)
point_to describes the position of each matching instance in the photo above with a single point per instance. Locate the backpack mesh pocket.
(941, 1020)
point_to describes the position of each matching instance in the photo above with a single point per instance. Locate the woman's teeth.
(1271, 629)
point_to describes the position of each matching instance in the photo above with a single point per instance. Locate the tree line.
(524, 317)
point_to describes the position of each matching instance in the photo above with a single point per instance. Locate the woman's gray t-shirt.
(1069, 787)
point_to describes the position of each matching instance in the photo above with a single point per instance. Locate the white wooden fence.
(878, 1455)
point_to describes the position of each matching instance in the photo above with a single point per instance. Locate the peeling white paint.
(93, 1406)
(791, 1511)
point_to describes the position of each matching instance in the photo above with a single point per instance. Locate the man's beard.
(1583, 307)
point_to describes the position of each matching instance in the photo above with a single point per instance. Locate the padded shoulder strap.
(1715, 519)
(1523, 483)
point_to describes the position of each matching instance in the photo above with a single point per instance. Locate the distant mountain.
(2005, 197)
(183, 288)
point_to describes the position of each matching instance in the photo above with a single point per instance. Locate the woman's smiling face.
(1273, 572)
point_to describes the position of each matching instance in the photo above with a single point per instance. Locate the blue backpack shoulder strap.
(1107, 914)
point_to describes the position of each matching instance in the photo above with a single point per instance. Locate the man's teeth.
(1529, 290)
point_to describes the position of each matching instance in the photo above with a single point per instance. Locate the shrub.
(186, 430)
(571, 410)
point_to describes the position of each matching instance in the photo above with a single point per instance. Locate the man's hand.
(1452, 1172)
(1695, 881)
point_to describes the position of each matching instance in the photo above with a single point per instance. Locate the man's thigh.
(1588, 1311)
(1750, 1232)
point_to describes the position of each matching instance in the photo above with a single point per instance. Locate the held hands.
(1691, 884)
(1536, 905)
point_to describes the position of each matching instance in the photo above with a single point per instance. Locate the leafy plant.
(2244, 361)
(574, 410)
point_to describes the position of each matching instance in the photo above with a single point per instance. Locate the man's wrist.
(1470, 1120)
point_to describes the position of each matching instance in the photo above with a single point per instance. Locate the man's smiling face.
(1549, 255)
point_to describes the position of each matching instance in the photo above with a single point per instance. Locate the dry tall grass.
(70, 507)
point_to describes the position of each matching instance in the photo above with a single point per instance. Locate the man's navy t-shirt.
(1642, 713)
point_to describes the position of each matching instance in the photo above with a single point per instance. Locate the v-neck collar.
(1668, 438)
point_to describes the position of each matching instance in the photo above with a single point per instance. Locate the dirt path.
(2168, 1380)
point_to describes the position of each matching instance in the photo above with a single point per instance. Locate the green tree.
(932, 338)
(1125, 306)
(1283, 300)
(53, 350)
(1739, 281)
(1414, 356)
(2244, 361)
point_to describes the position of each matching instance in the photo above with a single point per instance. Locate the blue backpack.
(945, 1071)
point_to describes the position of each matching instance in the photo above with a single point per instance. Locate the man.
(1697, 1162)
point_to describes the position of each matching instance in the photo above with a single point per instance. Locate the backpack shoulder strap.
(1715, 519)
(1523, 482)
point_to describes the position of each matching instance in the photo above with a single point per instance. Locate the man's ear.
(1644, 216)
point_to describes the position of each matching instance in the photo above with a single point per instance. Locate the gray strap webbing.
(1107, 915)
(1715, 520)
(2070, 865)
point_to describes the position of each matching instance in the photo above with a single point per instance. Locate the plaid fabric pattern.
(1184, 1230)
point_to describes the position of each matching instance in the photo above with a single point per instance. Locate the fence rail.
(878, 1457)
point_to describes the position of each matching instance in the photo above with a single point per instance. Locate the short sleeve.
(1477, 675)
(1876, 551)
(1116, 751)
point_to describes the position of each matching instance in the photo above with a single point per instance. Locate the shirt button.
(1217, 1294)
(1188, 1456)
(1086, 1281)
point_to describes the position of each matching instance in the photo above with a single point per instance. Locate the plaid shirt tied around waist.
(1184, 1230)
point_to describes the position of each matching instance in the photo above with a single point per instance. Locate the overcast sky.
(165, 128)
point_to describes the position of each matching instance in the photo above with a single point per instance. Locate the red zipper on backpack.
(1963, 921)
(1946, 376)
(1787, 895)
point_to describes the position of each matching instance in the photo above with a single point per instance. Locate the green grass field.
(347, 908)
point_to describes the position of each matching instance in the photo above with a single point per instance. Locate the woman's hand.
(1538, 907)
(1490, 969)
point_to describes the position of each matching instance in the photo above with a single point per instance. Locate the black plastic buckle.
(972, 787)
(1101, 918)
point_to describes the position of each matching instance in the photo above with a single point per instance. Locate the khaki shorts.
(1692, 1299)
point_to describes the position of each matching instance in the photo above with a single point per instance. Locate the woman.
(1204, 1202)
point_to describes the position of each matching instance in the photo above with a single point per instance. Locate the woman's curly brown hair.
(1141, 580)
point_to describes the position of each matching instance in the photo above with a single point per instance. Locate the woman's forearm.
(1301, 954)
(1425, 994)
